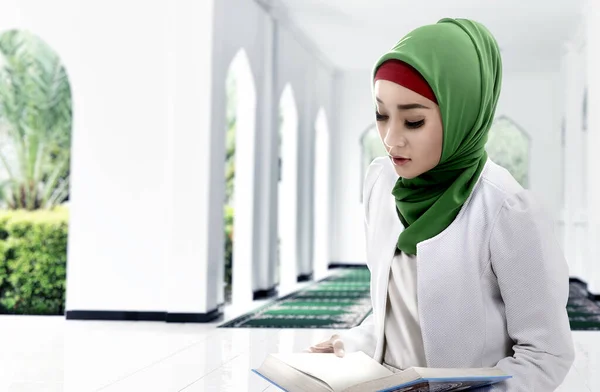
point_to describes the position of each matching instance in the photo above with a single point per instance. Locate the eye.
(380, 117)
(415, 124)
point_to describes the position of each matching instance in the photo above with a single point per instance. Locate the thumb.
(338, 347)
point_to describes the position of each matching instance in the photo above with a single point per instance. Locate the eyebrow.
(407, 106)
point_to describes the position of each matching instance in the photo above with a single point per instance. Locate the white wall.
(592, 144)
(582, 195)
(140, 120)
(355, 114)
(147, 185)
(119, 190)
(120, 196)
(278, 55)
(188, 104)
(250, 29)
(575, 217)
(312, 83)
(531, 98)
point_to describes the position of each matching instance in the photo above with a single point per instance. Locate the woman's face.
(410, 127)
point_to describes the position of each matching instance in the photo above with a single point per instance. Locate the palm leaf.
(35, 111)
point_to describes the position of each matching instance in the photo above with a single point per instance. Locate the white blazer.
(492, 287)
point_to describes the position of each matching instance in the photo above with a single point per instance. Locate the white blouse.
(403, 340)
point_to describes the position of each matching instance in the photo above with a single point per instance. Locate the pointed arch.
(287, 264)
(239, 176)
(509, 145)
(35, 110)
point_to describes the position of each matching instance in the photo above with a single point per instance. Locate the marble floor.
(49, 354)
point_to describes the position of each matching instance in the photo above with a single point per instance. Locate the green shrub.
(3, 274)
(33, 252)
(228, 244)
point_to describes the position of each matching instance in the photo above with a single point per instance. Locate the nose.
(394, 138)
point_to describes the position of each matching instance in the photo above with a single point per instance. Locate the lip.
(399, 161)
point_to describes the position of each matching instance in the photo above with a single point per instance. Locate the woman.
(465, 269)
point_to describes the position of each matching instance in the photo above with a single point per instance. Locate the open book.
(357, 372)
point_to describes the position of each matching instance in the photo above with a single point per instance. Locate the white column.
(306, 188)
(321, 237)
(300, 183)
(247, 184)
(138, 231)
(289, 200)
(269, 161)
(307, 176)
(573, 182)
(192, 274)
(272, 170)
(593, 146)
(306, 185)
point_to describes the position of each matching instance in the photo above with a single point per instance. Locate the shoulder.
(495, 187)
(499, 181)
(508, 202)
(378, 166)
(379, 171)
(495, 201)
(378, 182)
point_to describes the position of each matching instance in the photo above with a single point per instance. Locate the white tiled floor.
(48, 354)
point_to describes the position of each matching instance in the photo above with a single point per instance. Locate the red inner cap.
(403, 74)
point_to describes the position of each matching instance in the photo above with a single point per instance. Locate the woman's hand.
(333, 345)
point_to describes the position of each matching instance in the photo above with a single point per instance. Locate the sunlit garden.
(35, 142)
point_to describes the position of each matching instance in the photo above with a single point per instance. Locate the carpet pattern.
(584, 313)
(337, 302)
(343, 301)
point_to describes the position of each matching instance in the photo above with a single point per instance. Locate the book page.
(338, 373)
(459, 372)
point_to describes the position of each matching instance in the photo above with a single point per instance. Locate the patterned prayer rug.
(337, 302)
(342, 301)
(584, 313)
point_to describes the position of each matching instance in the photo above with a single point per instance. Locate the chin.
(405, 173)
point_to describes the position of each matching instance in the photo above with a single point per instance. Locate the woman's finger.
(338, 348)
(328, 349)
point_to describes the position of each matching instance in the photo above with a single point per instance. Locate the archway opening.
(508, 145)
(371, 147)
(35, 154)
(239, 179)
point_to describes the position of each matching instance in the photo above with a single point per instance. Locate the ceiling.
(352, 34)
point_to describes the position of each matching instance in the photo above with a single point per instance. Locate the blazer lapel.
(389, 228)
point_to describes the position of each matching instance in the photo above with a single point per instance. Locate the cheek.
(436, 144)
(381, 132)
(431, 145)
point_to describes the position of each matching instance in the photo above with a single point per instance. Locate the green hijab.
(460, 60)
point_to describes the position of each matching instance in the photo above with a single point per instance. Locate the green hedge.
(228, 244)
(33, 253)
